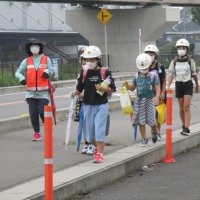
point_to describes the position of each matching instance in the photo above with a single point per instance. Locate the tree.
(195, 11)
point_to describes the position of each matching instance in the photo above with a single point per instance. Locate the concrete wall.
(122, 31)
(27, 16)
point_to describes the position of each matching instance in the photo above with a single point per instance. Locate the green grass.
(7, 79)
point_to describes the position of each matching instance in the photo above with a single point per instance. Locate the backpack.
(103, 77)
(189, 62)
(102, 72)
(152, 73)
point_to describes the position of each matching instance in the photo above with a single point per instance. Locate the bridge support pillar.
(122, 30)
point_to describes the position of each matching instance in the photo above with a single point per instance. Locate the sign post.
(104, 16)
(140, 40)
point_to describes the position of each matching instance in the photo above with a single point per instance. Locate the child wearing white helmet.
(148, 92)
(183, 69)
(95, 105)
(153, 51)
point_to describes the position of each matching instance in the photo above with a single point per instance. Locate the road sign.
(104, 16)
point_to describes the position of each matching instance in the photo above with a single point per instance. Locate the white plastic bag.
(125, 101)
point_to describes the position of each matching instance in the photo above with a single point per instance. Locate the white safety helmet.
(81, 50)
(152, 48)
(92, 52)
(143, 61)
(182, 42)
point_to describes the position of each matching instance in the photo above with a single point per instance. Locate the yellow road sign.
(104, 16)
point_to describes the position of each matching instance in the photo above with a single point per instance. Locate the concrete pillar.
(122, 31)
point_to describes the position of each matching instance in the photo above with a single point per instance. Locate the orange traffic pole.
(48, 153)
(169, 158)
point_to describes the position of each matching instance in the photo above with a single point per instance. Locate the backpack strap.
(85, 71)
(175, 61)
(103, 72)
(189, 62)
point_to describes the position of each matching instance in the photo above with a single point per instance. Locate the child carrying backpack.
(148, 92)
(95, 105)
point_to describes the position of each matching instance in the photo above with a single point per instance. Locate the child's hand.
(156, 100)
(98, 87)
(125, 84)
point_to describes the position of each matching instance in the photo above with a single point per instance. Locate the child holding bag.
(148, 92)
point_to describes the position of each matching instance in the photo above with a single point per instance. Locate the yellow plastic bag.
(125, 101)
(161, 109)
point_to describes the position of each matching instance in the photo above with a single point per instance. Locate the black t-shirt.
(93, 77)
(161, 73)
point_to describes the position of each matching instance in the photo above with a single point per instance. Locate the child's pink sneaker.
(37, 137)
(98, 158)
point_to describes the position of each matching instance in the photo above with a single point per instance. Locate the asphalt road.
(179, 181)
(13, 105)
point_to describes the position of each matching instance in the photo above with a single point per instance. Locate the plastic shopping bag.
(125, 101)
(161, 109)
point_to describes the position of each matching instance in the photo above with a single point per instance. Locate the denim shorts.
(95, 120)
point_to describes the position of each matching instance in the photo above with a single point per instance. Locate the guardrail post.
(48, 153)
(169, 158)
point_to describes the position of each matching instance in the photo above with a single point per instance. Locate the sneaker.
(183, 127)
(37, 137)
(144, 143)
(98, 158)
(90, 150)
(185, 132)
(159, 137)
(154, 137)
(85, 149)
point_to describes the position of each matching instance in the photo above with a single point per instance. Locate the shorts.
(184, 88)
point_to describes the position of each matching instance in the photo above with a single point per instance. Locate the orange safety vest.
(34, 80)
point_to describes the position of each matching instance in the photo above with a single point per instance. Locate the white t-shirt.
(183, 70)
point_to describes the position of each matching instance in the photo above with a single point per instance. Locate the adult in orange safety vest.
(34, 72)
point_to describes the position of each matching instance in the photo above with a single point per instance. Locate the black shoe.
(185, 132)
(154, 137)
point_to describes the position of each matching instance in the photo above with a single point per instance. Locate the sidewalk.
(88, 176)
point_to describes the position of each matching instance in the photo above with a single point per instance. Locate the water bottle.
(106, 83)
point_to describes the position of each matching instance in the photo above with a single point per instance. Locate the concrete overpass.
(126, 2)
(122, 29)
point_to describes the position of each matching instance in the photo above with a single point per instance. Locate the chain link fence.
(65, 69)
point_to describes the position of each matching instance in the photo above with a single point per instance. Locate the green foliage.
(169, 48)
(195, 11)
(7, 79)
(66, 71)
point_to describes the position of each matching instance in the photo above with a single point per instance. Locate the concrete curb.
(87, 176)
(57, 84)
(23, 122)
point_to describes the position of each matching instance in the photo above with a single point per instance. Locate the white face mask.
(182, 52)
(144, 71)
(35, 49)
(91, 65)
